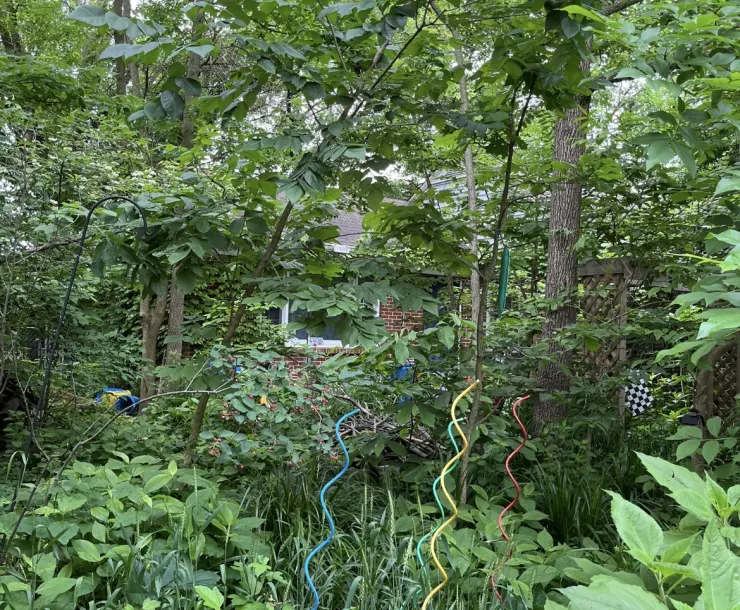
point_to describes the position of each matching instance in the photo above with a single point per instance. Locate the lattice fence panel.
(725, 384)
(605, 301)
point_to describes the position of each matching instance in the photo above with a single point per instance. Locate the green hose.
(503, 281)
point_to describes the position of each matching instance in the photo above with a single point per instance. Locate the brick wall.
(396, 320)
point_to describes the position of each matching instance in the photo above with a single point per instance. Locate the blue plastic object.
(322, 499)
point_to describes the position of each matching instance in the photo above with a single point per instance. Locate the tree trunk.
(151, 321)
(193, 71)
(562, 266)
(9, 31)
(122, 74)
(174, 322)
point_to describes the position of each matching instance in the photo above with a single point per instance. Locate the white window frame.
(324, 343)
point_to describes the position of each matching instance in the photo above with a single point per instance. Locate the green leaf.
(158, 480)
(313, 91)
(401, 351)
(186, 280)
(659, 153)
(570, 27)
(677, 551)
(544, 539)
(44, 565)
(639, 530)
(355, 152)
(201, 50)
(212, 597)
(717, 495)
(446, 336)
(710, 450)
(86, 551)
(608, 594)
(98, 531)
(154, 111)
(733, 495)
(731, 183)
(91, 15)
(189, 86)
(51, 589)
(687, 448)
(714, 425)
(720, 571)
(172, 103)
(114, 51)
(67, 504)
(576, 9)
(695, 503)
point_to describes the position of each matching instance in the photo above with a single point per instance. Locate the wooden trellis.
(606, 287)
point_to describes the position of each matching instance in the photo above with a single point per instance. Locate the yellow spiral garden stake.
(453, 516)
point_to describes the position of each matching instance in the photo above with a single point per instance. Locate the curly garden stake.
(516, 496)
(435, 490)
(447, 467)
(322, 499)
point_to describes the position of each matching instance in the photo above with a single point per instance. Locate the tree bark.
(562, 265)
(9, 31)
(234, 322)
(152, 319)
(174, 322)
(122, 74)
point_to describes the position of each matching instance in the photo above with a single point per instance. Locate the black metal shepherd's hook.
(33, 417)
(62, 314)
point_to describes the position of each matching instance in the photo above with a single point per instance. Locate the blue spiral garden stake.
(322, 498)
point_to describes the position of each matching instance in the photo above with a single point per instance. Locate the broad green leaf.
(189, 86)
(687, 448)
(401, 351)
(577, 9)
(607, 594)
(157, 482)
(672, 476)
(172, 103)
(51, 589)
(639, 530)
(544, 539)
(717, 495)
(710, 450)
(91, 15)
(44, 565)
(67, 503)
(695, 503)
(446, 336)
(733, 495)
(720, 571)
(718, 320)
(201, 50)
(172, 468)
(86, 551)
(730, 183)
(114, 51)
(714, 425)
(677, 551)
(212, 597)
(98, 531)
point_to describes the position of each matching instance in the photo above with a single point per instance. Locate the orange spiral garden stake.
(516, 496)
(453, 516)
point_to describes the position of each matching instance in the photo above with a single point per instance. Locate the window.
(330, 336)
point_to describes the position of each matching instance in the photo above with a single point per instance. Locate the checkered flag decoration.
(638, 397)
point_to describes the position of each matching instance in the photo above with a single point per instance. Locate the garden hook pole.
(33, 417)
(325, 542)
(62, 314)
(447, 467)
(516, 495)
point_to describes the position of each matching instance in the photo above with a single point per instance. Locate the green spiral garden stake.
(428, 535)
